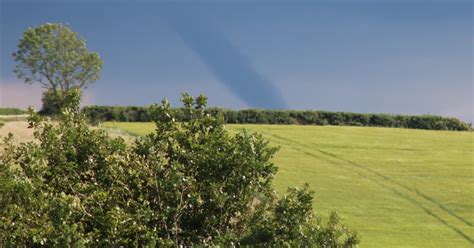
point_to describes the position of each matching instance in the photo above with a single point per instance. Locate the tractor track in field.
(385, 182)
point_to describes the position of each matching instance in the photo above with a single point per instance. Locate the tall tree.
(57, 58)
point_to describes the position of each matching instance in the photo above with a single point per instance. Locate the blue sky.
(406, 57)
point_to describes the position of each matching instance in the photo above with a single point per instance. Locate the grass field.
(397, 187)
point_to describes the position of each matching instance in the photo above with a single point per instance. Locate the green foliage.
(291, 223)
(54, 102)
(12, 111)
(117, 113)
(259, 116)
(188, 184)
(57, 58)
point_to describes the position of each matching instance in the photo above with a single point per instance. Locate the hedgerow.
(259, 116)
(12, 111)
(187, 184)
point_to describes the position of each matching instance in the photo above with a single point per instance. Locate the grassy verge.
(12, 111)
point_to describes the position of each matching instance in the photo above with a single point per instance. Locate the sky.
(387, 56)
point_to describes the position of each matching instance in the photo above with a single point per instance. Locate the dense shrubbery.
(188, 184)
(117, 113)
(12, 111)
(257, 116)
(54, 100)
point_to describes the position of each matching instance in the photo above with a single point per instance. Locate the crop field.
(397, 187)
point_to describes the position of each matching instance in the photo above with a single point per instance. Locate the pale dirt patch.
(19, 129)
(7, 118)
(21, 133)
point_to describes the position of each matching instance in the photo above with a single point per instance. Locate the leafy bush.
(188, 184)
(260, 116)
(54, 101)
(12, 111)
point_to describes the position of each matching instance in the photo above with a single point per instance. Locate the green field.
(397, 187)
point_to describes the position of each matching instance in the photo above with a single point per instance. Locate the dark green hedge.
(12, 111)
(259, 116)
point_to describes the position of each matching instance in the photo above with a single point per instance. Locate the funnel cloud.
(226, 61)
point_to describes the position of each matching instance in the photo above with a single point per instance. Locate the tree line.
(261, 116)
